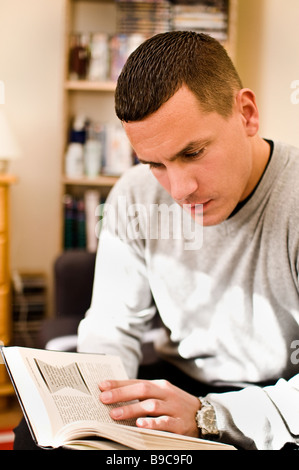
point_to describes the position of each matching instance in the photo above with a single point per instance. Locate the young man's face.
(200, 158)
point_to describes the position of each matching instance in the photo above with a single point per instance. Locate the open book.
(59, 396)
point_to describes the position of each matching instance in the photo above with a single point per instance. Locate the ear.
(246, 105)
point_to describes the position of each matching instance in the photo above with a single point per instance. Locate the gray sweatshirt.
(227, 294)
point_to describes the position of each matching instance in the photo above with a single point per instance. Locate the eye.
(194, 155)
(152, 165)
(155, 166)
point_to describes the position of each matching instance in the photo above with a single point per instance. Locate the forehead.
(177, 122)
(181, 105)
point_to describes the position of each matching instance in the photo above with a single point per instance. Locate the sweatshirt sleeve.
(119, 315)
(258, 418)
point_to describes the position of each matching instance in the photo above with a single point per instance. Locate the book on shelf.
(81, 220)
(146, 18)
(59, 396)
(210, 17)
(100, 57)
(74, 222)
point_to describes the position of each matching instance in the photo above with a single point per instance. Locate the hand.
(161, 405)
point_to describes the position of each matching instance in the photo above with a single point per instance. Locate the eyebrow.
(188, 148)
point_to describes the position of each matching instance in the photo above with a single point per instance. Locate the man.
(230, 307)
(229, 303)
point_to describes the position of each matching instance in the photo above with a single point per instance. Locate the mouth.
(197, 210)
(196, 207)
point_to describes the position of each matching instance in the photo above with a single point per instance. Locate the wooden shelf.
(101, 180)
(85, 85)
(6, 178)
(5, 282)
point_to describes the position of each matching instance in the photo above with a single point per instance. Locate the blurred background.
(61, 146)
(34, 57)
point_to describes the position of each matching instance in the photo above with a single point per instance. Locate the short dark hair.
(162, 64)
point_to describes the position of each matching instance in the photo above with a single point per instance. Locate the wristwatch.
(206, 420)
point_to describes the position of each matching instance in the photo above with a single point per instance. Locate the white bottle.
(92, 158)
(74, 160)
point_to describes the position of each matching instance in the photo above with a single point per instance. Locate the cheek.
(161, 176)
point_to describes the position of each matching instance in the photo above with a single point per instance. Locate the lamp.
(9, 148)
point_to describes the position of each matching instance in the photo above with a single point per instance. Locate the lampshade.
(9, 148)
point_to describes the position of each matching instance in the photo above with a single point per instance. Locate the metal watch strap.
(206, 420)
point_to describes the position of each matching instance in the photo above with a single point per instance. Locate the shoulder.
(285, 172)
(283, 205)
(286, 156)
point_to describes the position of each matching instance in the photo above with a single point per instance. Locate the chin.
(210, 220)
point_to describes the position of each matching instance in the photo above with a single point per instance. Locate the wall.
(268, 61)
(31, 52)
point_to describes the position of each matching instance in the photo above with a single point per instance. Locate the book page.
(60, 388)
(74, 388)
(136, 438)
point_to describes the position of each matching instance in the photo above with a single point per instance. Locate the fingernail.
(106, 397)
(141, 422)
(117, 413)
(104, 384)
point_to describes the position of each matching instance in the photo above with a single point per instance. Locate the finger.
(113, 390)
(109, 384)
(160, 423)
(132, 390)
(149, 407)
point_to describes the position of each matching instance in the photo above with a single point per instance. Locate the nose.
(182, 183)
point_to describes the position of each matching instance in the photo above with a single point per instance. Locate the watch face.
(206, 420)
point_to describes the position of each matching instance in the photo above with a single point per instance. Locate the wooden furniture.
(5, 298)
(94, 99)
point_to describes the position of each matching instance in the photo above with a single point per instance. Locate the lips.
(198, 209)
(194, 205)
(201, 203)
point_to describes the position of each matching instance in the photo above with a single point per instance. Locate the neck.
(260, 157)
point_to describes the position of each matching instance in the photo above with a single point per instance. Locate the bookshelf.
(85, 85)
(101, 180)
(93, 97)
